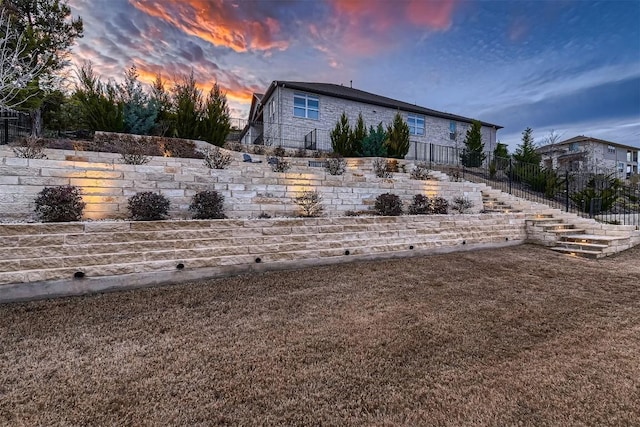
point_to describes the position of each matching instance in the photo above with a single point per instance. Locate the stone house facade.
(586, 154)
(302, 115)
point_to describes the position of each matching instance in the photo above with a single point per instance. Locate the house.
(583, 153)
(302, 115)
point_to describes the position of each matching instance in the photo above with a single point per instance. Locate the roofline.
(582, 138)
(407, 107)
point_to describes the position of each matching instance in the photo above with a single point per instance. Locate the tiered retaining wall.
(40, 260)
(249, 188)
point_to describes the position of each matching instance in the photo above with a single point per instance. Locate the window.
(573, 146)
(611, 149)
(306, 106)
(629, 156)
(621, 167)
(452, 130)
(272, 111)
(416, 124)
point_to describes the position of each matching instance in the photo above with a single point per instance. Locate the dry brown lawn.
(515, 336)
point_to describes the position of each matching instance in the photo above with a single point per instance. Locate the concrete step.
(580, 252)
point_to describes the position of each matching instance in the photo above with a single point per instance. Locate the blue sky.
(568, 66)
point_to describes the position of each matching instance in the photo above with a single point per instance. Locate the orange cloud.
(217, 22)
(366, 27)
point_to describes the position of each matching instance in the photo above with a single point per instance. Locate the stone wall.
(249, 188)
(45, 260)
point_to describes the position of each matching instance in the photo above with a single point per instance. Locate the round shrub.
(59, 204)
(148, 206)
(207, 205)
(440, 206)
(421, 205)
(388, 204)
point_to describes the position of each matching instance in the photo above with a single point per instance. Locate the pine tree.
(473, 154)
(373, 144)
(99, 102)
(165, 119)
(358, 135)
(140, 112)
(188, 104)
(397, 142)
(216, 124)
(341, 136)
(526, 151)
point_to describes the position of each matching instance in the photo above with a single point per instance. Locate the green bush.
(148, 206)
(207, 204)
(388, 204)
(59, 204)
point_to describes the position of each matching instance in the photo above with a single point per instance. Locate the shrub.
(264, 215)
(182, 148)
(258, 149)
(310, 203)
(30, 148)
(300, 152)
(439, 205)
(59, 204)
(420, 171)
(279, 151)
(207, 204)
(148, 206)
(214, 158)
(421, 205)
(381, 168)
(462, 204)
(136, 150)
(335, 165)
(279, 164)
(388, 205)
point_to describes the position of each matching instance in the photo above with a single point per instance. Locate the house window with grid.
(272, 111)
(611, 149)
(452, 130)
(306, 106)
(416, 124)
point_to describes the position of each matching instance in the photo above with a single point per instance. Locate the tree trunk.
(36, 122)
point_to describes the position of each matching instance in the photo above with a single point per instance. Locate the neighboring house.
(583, 153)
(302, 115)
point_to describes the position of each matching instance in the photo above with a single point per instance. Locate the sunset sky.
(571, 66)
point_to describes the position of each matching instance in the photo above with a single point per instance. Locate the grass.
(514, 336)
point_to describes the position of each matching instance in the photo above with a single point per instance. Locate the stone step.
(580, 252)
(564, 232)
(581, 245)
(596, 238)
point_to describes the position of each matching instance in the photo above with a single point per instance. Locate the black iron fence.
(13, 125)
(599, 195)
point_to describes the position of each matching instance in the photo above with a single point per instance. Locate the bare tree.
(16, 71)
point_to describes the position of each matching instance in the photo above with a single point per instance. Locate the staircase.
(564, 232)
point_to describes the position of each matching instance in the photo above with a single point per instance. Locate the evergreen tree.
(373, 145)
(473, 154)
(397, 142)
(49, 32)
(216, 123)
(358, 134)
(526, 151)
(188, 105)
(101, 108)
(162, 99)
(140, 111)
(341, 137)
(501, 156)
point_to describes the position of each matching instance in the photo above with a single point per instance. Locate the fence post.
(6, 132)
(510, 173)
(566, 191)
